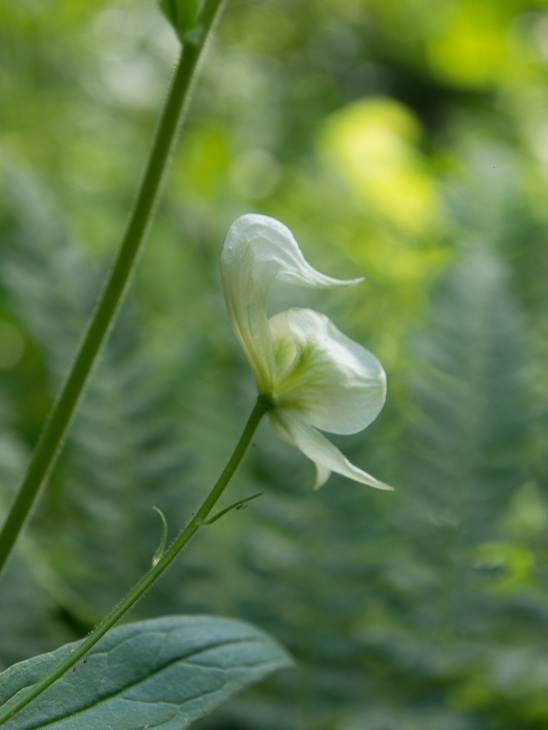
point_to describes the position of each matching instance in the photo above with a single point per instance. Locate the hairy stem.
(165, 139)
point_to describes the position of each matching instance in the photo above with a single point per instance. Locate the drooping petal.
(320, 450)
(325, 377)
(258, 250)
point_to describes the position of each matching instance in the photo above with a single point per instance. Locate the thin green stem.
(56, 426)
(198, 520)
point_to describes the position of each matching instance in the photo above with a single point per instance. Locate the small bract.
(314, 376)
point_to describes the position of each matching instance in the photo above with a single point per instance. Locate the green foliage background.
(403, 140)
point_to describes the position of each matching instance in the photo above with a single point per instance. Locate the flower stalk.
(165, 139)
(199, 520)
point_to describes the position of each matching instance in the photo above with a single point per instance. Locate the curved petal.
(322, 375)
(320, 450)
(257, 250)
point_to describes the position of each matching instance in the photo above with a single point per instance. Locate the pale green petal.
(325, 377)
(320, 450)
(258, 250)
(322, 475)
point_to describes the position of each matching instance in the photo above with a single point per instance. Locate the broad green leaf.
(163, 673)
(181, 14)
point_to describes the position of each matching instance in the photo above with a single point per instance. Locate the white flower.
(314, 376)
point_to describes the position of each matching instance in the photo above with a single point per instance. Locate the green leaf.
(181, 14)
(163, 673)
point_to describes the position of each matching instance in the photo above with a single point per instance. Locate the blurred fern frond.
(95, 523)
(391, 597)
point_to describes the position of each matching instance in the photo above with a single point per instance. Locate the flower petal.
(258, 250)
(320, 450)
(325, 377)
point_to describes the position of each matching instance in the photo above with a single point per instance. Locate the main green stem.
(166, 136)
(262, 405)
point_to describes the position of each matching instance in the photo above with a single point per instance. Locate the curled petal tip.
(322, 475)
(325, 455)
(359, 280)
